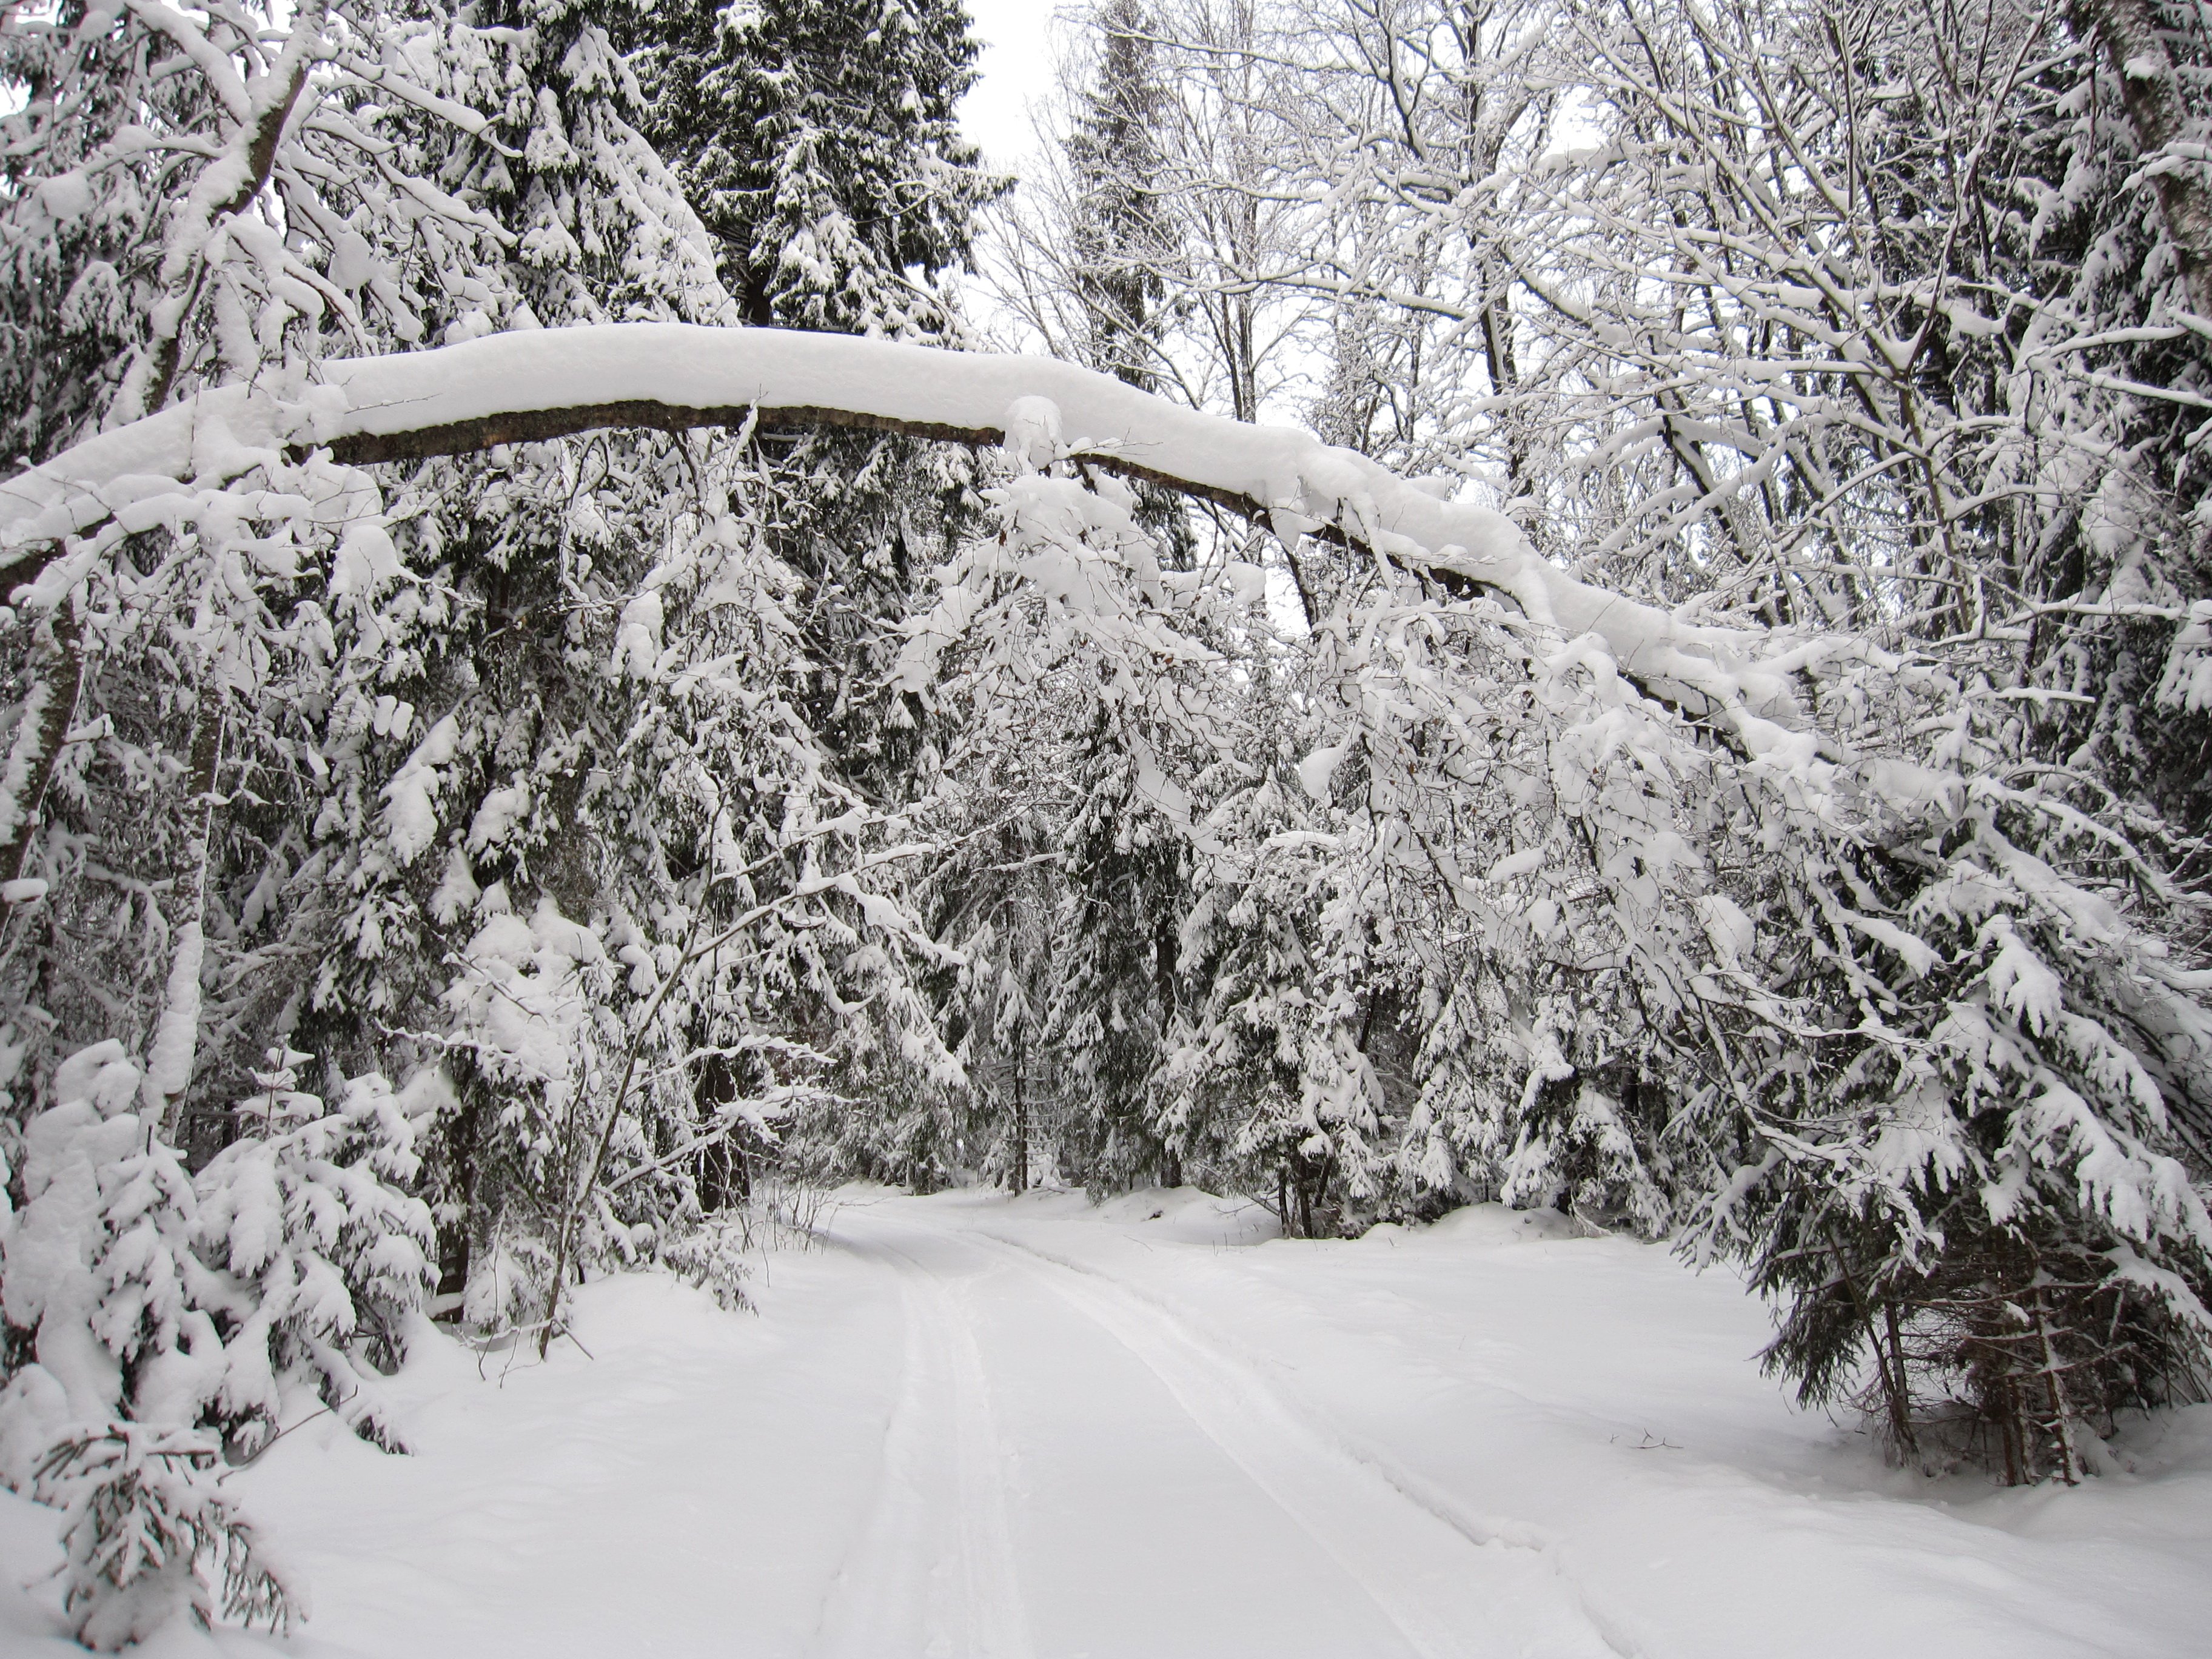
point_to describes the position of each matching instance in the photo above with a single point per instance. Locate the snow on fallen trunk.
(515, 387)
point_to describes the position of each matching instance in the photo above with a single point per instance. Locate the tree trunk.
(1897, 1385)
(1021, 1113)
(176, 1042)
(38, 747)
(2151, 92)
(453, 1241)
(2070, 1465)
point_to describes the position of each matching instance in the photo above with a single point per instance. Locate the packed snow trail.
(974, 1425)
(932, 1571)
(1359, 1567)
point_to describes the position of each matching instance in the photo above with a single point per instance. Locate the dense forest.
(1606, 603)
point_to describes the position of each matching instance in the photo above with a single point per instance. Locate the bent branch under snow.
(539, 425)
(510, 388)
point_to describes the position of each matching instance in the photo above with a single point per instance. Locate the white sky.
(1016, 67)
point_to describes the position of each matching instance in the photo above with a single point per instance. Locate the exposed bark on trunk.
(1021, 1114)
(1897, 1385)
(454, 1242)
(2070, 1465)
(39, 746)
(539, 425)
(2151, 92)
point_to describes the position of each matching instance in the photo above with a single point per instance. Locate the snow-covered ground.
(976, 1425)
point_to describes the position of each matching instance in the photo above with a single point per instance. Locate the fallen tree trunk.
(519, 387)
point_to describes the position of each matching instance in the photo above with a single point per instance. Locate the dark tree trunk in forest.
(2152, 93)
(1021, 1114)
(62, 684)
(453, 1251)
(723, 1175)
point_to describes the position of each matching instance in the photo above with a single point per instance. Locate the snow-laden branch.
(534, 386)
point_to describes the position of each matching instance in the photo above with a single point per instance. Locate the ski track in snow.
(1173, 1349)
(1449, 1590)
(935, 1555)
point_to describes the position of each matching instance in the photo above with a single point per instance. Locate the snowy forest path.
(1209, 1509)
(1151, 1429)
(934, 1556)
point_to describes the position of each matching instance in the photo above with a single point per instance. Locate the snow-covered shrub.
(106, 1304)
(711, 1254)
(147, 1525)
(1974, 1190)
(533, 1011)
(325, 1251)
(156, 1320)
(510, 1283)
(103, 1293)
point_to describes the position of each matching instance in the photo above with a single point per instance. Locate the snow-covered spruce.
(816, 140)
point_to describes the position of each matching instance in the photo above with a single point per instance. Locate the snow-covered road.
(977, 1426)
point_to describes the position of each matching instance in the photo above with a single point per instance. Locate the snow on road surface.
(981, 1426)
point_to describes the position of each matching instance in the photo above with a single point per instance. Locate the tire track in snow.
(874, 1597)
(932, 1571)
(1452, 1594)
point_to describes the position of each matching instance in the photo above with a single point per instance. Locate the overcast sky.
(1016, 67)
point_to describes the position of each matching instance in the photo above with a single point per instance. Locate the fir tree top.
(818, 140)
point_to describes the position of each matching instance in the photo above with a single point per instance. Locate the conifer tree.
(592, 806)
(1122, 241)
(818, 140)
(1113, 990)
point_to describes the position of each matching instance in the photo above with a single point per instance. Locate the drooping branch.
(262, 107)
(519, 387)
